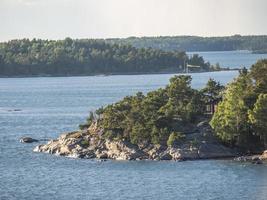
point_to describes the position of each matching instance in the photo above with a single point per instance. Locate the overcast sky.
(56, 19)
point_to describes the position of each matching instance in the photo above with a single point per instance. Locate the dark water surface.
(49, 106)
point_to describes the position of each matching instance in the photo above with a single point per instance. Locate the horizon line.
(140, 37)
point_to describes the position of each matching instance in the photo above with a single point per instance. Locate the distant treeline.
(195, 43)
(88, 57)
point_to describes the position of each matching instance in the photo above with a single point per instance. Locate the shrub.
(84, 143)
(175, 138)
(109, 134)
(194, 142)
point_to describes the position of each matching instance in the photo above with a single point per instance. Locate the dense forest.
(89, 57)
(116, 56)
(195, 43)
(161, 116)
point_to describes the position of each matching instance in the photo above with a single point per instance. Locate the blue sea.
(231, 59)
(44, 107)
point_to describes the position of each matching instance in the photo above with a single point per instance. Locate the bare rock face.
(176, 154)
(91, 143)
(123, 150)
(155, 152)
(206, 151)
(185, 152)
(70, 144)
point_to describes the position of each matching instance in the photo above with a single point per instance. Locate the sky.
(58, 19)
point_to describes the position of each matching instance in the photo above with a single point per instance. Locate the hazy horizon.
(31, 38)
(58, 19)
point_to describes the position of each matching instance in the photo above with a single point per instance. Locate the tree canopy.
(239, 119)
(195, 43)
(160, 117)
(88, 57)
(258, 118)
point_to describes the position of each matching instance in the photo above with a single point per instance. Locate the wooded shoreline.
(118, 74)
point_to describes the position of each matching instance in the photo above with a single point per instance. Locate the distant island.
(177, 123)
(81, 57)
(195, 43)
(261, 51)
(133, 55)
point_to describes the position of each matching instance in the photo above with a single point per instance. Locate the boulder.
(27, 140)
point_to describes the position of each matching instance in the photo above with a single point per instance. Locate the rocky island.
(177, 123)
(91, 143)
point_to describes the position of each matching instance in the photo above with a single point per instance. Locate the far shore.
(115, 74)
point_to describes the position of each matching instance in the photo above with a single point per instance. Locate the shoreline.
(116, 74)
(92, 144)
(249, 158)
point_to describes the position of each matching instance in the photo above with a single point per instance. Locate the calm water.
(232, 59)
(50, 106)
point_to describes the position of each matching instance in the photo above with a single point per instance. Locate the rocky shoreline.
(255, 159)
(90, 143)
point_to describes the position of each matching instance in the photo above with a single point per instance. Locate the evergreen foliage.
(239, 119)
(151, 118)
(257, 43)
(175, 138)
(87, 57)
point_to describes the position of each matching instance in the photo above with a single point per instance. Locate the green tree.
(182, 104)
(230, 121)
(151, 118)
(239, 118)
(213, 90)
(212, 93)
(258, 118)
(83, 57)
(259, 75)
